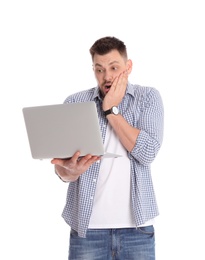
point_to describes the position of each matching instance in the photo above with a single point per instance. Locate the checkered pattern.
(142, 107)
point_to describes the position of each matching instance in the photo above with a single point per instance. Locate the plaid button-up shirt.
(142, 107)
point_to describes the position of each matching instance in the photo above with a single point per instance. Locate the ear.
(129, 66)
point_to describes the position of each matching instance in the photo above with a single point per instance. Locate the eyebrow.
(111, 63)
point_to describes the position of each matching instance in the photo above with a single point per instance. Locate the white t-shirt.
(112, 201)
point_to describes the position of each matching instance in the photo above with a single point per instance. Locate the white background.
(44, 57)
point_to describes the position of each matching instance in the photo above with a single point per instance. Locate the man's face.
(107, 67)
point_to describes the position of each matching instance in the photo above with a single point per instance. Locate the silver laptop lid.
(58, 131)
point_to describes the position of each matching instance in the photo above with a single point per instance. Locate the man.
(111, 204)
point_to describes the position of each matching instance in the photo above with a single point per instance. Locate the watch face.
(115, 110)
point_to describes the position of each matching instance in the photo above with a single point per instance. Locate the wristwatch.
(113, 110)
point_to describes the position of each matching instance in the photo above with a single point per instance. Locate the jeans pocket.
(149, 230)
(73, 233)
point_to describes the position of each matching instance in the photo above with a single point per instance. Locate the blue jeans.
(113, 244)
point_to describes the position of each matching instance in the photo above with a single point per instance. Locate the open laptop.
(58, 131)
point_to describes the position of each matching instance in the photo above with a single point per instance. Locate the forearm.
(126, 133)
(146, 148)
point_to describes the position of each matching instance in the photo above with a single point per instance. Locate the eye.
(98, 70)
(114, 68)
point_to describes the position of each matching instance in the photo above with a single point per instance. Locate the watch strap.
(113, 110)
(107, 112)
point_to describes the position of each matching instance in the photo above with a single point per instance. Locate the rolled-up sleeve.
(151, 124)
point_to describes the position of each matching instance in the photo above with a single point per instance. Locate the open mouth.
(108, 86)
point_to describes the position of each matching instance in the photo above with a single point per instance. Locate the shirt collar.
(96, 93)
(130, 89)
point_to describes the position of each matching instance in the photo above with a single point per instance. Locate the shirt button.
(91, 197)
(94, 180)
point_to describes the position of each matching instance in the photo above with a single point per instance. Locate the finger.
(115, 82)
(122, 81)
(84, 159)
(92, 160)
(125, 75)
(57, 161)
(118, 81)
(75, 157)
(88, 160)
(61, 162)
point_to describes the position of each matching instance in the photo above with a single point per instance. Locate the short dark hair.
(106, 44)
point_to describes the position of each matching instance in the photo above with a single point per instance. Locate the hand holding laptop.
(70, 169)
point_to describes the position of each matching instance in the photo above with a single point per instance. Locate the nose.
(108, 76)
